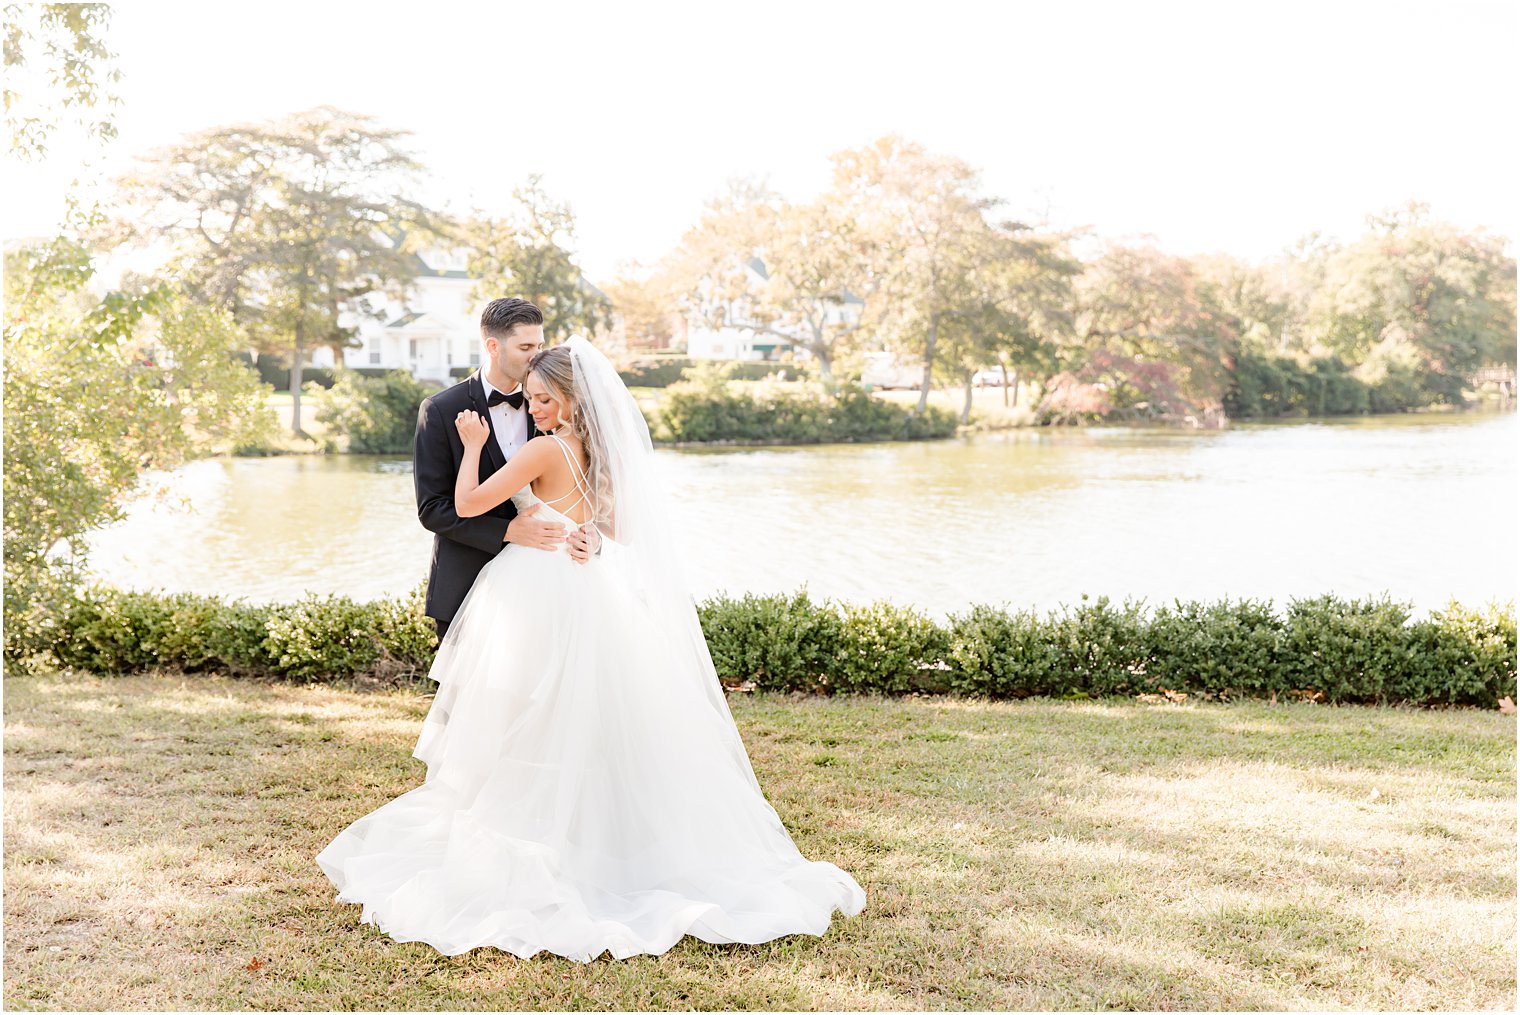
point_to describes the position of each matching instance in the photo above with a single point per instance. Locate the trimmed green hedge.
(1324, 649)
(701, 411)
(106, 630)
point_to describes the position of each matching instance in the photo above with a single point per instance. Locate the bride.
(586, 787)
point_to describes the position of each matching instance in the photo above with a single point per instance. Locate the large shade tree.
(1427, 293)
(530, 253)
(930, 238)
(286, 225)
(1150, 329)
(58, 69)
(799, 273)
(1013, 310)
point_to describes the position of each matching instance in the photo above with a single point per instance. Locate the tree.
(644, 307)
(929, 232)
(1440, 297)
(57, 52)
(97, 393)
(529, 254)
(1139, 307)
(1013, 310)
(798, 272)
(286, 225)
(98, 389)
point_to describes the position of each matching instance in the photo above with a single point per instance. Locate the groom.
(512, 330)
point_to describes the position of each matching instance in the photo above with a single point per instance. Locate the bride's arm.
(471, 496)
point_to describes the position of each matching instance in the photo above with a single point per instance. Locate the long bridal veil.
(633, 511)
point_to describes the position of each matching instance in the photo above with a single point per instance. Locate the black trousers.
(443, 629)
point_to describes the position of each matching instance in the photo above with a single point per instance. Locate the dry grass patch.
(159, 835)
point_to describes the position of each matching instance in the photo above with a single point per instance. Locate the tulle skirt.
(586, 788)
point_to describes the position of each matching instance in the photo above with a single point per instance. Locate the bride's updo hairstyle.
(556, 368)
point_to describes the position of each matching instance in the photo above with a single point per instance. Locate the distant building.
(433, 333)
(436, 329)
(732, 342)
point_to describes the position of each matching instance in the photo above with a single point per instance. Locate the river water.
(1422, 507)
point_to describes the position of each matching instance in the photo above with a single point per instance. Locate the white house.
(729, 342)
(436, 329)
(433, 332)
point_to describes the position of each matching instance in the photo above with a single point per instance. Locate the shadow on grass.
(160, 834)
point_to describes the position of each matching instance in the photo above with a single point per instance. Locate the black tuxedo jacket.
(461, 546)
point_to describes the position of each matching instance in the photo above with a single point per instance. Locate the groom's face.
(510, 353)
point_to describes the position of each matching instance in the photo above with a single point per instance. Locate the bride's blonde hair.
(556, 368)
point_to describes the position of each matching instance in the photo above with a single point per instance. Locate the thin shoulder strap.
(576, 472)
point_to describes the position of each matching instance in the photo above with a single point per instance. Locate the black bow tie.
(515, 399)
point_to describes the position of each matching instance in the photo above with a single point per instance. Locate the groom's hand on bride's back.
(585, 542)
(525, 530)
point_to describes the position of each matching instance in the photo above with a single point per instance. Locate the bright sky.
(1233, 126)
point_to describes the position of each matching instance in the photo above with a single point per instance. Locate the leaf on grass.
(255, 964)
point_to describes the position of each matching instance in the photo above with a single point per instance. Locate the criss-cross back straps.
(576, 473)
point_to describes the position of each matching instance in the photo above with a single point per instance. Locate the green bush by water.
(378, 414)
(705, 408)
(1268, 386)
(1325, 648)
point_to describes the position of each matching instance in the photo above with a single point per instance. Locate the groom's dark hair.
(502, 315)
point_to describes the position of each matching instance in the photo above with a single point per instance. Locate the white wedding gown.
(586, 788)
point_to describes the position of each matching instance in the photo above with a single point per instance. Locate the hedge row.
(699, 411)
(1325, 648)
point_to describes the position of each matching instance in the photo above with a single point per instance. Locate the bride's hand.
(473, 429)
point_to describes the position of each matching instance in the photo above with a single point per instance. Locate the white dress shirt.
(508, 424)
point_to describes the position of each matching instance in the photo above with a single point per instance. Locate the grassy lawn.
(281, 403)
(159, 835)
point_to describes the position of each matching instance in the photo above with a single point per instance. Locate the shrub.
(323, 637)
(654, 372)
(407, 636)
(706, 408)
(1325, 647)
(1224, 649)
(663, 371)
(274, 370)
(1462, 656)
(107, 631)
(1101, 649)
(377, 414)
(782, 643)
(887, 649)
(997, 654)
(1346, 649)
(1389, 381)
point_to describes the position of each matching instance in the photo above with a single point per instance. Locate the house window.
(475, 358)
(449, 352)
(411, 348)
(374, 352)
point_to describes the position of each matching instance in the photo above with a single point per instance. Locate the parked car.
(887, 370)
